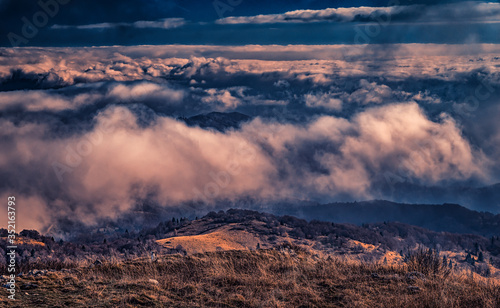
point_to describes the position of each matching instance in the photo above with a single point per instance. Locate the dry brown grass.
(264, 278)
(223, 238)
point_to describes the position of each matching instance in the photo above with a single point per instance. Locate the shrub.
(427, 262)
(31, 234)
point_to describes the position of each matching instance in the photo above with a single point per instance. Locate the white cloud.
(464, 11)
(223, 97)
(167, 23)
(145, 91)
(324, 100)
(233, 97)
(40, 100)
(370, 93)
(329, 14)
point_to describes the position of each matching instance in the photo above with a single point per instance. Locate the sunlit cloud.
(439, 13)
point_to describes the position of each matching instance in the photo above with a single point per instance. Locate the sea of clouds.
(89, 132)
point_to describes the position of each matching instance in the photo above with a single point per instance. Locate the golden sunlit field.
(222, 239)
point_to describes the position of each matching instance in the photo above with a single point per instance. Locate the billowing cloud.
(371, 93)
(105, 171)
(221, 96)
(324, 100)
(146, 90)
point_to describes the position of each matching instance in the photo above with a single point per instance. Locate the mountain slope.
(228, 237)
(217, 120)
(445, 217)
(389, 242)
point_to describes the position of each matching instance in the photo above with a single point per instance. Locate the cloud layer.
(93, 132)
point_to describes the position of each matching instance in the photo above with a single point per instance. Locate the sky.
(348, 100)
(239, 22)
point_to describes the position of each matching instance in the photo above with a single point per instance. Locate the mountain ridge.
(220, 121)
(446, 217)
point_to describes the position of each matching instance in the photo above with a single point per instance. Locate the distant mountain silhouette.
(217, 120)
(446, 217)
(485, 198)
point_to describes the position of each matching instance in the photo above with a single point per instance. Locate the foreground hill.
(379, 242)
(248, 230)
(286, 276)
(242, 258)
